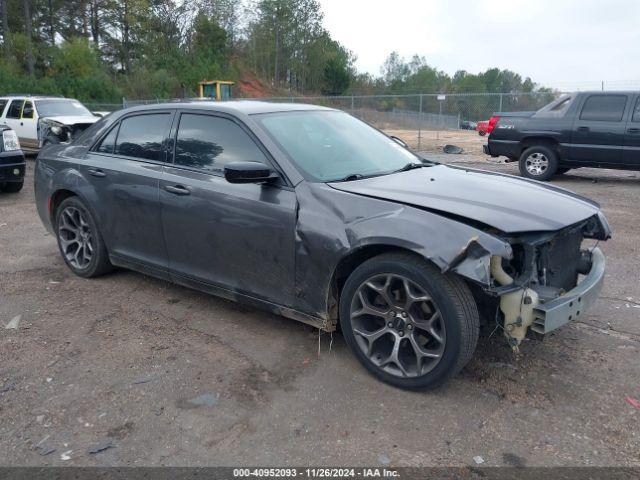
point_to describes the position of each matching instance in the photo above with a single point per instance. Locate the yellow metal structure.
(215, 89)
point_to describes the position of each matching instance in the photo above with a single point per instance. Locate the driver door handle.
(177, 189)
(583, 129)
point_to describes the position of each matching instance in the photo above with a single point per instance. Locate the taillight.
(493, 121)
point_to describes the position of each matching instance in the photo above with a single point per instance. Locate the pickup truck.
(585, 129)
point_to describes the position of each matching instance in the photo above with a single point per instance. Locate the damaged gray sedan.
(312, 214)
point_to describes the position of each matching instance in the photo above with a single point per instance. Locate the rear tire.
(538, 163)
(12, 187)
(398, 303)
(79, 239)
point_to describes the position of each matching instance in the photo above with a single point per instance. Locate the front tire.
(12, 187)
(408, 324)
(538, 163)
(79, 239)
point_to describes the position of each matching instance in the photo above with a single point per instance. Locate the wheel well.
(347, 265)
(56, 199)
(542, 141)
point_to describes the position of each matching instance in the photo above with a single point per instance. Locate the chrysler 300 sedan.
(312, 214)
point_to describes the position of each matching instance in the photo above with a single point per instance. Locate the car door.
(236, 236)
(599, 130)
(124, 169)
(28, 126)
(631, 152)
(14, 112)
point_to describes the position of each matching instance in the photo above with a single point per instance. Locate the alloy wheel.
(75, 236)
(397, 325)
(536, 164)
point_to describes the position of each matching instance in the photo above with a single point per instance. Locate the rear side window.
(604, 108)
(208, 143)
(142, 136)
(636, 111)
(108, 143)
(15, 109)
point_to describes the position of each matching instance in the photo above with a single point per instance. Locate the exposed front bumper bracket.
(573, 304)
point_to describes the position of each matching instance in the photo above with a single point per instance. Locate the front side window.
(3, 104)
(604, 108)
(636, 111)
(208, 143)
(15, 109)
(331, 145)
(27, 110)
(142, 136)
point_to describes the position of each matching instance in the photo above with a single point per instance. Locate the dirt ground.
(167, 376)
(432, 141)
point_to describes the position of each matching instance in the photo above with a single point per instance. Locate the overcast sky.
(572, 44)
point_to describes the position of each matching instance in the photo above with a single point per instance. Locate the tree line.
(103, 50)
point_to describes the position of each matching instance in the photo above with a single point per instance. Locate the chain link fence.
(425, 121)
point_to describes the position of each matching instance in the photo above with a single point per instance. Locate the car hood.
(74, 119)
(505, 202)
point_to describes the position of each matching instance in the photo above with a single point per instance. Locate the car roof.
(607, 92)
(247, 107)
(38, 97)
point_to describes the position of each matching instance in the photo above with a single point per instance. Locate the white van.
(27, 114)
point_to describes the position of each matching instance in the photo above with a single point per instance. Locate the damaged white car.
(39, 120)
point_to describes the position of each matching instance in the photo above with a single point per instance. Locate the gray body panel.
(281, 246)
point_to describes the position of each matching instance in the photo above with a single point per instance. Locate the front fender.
(333, 224)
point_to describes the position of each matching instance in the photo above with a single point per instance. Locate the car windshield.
(331, 145)
(63, 107)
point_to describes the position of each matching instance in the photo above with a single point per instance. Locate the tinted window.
(27, 110)
(142, 136)
(605, 108)
(15, 109)
(636, 111)
(108, 143)
(3, 103)
(209, 143)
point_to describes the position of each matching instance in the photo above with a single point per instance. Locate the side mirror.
(248, 172)
(400, 142)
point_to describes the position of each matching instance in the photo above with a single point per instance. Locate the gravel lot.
(168, 376)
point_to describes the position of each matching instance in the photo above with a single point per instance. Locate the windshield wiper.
(350, 177)
(411, 166)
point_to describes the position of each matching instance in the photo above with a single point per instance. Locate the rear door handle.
(177, 189)
(96, 172)
(583, 129)
(633, 130)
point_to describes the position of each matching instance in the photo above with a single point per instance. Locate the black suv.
(586, 129)
(12, 164)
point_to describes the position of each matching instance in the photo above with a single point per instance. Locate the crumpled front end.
(551, 279)
(51, 131)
